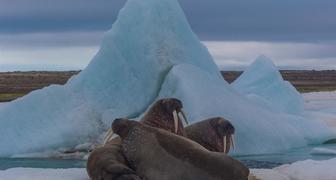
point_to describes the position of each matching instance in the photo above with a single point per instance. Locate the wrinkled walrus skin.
(108, 162)
(156, 154)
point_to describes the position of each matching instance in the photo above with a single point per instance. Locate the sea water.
(269, 161)
(7, 163)
(266, 161)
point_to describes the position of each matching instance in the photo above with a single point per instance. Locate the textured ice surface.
(125, 76)
(151, 52)
(263, 84)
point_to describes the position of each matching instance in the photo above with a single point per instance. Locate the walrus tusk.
(232, 141)
(224, 143)
(108, 135)
(183, 119)
(184, 116)
(175, 120)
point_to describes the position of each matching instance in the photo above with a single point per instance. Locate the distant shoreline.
(18, 83)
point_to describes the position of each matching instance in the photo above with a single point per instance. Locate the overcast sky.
(65, 34)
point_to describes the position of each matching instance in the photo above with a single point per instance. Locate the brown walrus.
(156, 154)
(215, 134)
(108, 162)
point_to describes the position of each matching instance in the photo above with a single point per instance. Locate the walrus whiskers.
(175, 120)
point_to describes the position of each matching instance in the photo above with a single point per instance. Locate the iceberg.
(150, 53)
(125, 76)
(263, 84)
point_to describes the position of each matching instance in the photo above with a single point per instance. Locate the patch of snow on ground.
(302, 170)
(320, 100)
(43, 174)
(321, 106)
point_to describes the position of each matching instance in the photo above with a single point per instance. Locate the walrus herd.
(159, 147)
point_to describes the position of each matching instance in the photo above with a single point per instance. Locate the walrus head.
(122, 126)
(166, 114)
(215, 134)
(224, 134)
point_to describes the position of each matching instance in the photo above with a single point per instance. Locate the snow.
(320, 101)
(301, 170)
(43, 174)
(322, 106)
(263, 84)
(150, 53)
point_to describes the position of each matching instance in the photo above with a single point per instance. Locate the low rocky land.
(17, 84)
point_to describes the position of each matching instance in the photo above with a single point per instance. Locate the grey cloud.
(50, 39)
(17, 16)
(261, 20)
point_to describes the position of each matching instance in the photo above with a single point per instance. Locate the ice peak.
(262, 81)
(262, 70)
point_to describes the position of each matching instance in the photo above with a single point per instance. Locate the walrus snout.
(122, 126)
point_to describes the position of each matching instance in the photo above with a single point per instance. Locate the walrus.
(157, 154)
(108, 162)
(215, 134)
